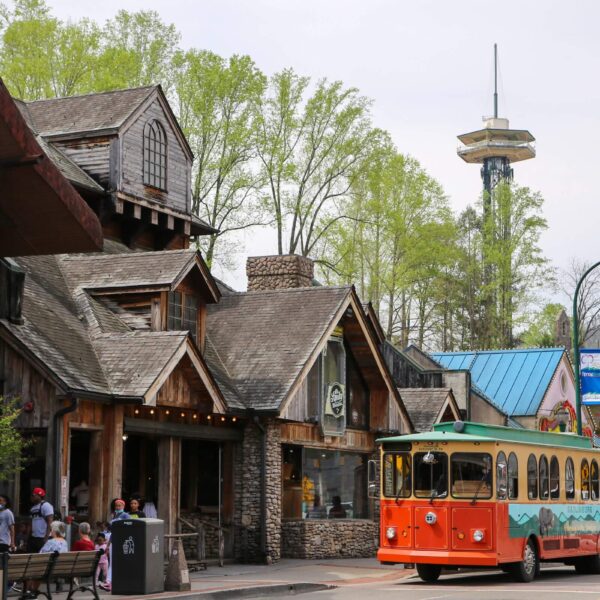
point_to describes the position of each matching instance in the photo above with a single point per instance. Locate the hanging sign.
(335, 403)
(590, 375)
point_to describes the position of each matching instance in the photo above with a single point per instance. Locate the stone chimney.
(279, 272)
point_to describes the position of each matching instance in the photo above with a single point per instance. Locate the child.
(103, 564)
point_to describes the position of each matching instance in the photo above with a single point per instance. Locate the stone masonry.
(247, 518)
(279, 272)
(329, 538)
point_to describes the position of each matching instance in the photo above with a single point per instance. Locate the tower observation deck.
(496, 146)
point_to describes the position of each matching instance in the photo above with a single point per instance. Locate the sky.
(428, 67)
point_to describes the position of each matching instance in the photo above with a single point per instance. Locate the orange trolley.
(475, 495)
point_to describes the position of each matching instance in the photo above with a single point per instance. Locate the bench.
(48, 567)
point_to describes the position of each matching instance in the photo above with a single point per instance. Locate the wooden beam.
(169, 481)
(193, 432)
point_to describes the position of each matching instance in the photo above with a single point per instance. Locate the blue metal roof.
(515, 380)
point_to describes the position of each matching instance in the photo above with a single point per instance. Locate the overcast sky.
(428, 67)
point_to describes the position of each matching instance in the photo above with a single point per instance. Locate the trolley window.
(471, 475)
(513, 476)
(594, 480)
(554, 478)
(569, 479)
(501, 476)
(532, 477)
(397, 474)
(585, 480)
(544, 480)
(430, 474)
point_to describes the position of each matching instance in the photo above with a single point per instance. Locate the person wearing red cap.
(42, 515)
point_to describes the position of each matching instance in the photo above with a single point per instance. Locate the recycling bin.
(137, 554)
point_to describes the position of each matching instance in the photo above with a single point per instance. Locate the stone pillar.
(279, 272)
(248, 541)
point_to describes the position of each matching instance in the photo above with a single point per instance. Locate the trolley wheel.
(588, 565)
(429, 573)
(526, 570)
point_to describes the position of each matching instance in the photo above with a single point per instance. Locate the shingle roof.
(139, 269)
(264, 339)
(133, 361)
(424, 405)
(516, 380)
(86, 348)
(86, 113)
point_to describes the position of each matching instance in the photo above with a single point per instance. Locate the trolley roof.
(466, 431)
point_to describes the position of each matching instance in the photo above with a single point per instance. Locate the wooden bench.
(48, 567)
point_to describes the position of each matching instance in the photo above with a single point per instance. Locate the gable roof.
(264, 339)
(162, 269)
(85, 349)
(40, 212)
(515, 380)
(424, 405)
(87, 113)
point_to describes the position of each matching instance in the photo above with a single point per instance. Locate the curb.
(278, 590)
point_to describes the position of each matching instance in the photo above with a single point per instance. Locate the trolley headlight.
(478, 535)
(390, 533)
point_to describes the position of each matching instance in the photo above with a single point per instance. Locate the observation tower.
(496, 146)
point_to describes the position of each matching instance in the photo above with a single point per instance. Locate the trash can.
(137, 552)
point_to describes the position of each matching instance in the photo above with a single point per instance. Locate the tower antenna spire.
(495, 81)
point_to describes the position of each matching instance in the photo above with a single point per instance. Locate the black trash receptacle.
(137, 555)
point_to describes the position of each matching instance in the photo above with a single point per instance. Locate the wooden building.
(138, 372)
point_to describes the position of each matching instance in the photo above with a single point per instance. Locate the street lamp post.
(576, 347)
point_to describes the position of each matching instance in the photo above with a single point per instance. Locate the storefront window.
(292, 482)
(334, 485)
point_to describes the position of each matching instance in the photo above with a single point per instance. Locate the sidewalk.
(287, 577)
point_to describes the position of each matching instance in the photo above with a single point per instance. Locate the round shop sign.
(336, 399)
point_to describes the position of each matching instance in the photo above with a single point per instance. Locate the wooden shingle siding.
(92, 155)
(132, 144)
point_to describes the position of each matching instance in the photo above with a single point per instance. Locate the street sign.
(590, 375)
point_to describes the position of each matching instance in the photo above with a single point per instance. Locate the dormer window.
(183, 313)
(155, 155)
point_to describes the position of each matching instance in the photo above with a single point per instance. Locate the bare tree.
(588, 305)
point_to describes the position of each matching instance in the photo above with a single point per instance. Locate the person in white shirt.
(42, 515)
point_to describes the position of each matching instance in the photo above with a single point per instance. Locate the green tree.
(515, 263)
(138, 49)
(42, 57)
(309, 153)
(216, 99)
(11, 441)
(541, 331)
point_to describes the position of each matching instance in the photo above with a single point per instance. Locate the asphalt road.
(555, 583)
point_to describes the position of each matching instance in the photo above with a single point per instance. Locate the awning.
(40, 211)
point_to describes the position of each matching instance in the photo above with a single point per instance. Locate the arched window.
(513, 476)
(501, 476)
(585, 480)
(570, 479)
(544, 481)
(594, 480)
(554, 478)
(155, 155)
(532, 477)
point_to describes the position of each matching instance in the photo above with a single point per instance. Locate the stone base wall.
(211, 535)
(336, 538)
